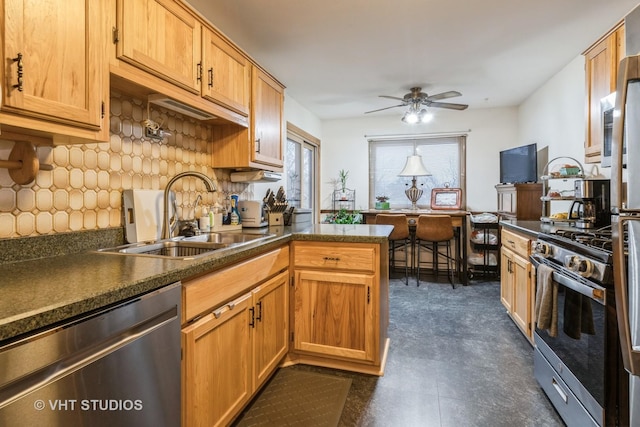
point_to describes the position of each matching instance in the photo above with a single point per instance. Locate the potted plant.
(382, 202)
(343, 216)
(343, 174)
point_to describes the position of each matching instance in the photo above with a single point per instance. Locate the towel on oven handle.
(546, 308)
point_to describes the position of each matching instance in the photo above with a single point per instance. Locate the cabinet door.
(62, 65)
(227, 74)
(601, 68)
(216, 365)
(267, 127)
(507, 200)
(271, 311)
(160, 37)
(521, 309)
(334, 314)
(506, 279)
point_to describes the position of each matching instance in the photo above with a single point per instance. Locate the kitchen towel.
(546, 308)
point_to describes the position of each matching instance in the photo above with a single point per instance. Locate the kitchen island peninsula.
(263, 301)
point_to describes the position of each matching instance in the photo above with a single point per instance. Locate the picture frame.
(446, 198)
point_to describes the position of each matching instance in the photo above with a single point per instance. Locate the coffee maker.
(592, 208)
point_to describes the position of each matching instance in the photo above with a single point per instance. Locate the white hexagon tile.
(84, 189)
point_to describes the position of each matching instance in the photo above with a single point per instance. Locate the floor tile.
(456, 359)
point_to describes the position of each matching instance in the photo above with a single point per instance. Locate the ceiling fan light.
(410, 117)
(425, 116)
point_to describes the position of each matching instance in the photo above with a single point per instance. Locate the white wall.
(554, 115)
(344, 146)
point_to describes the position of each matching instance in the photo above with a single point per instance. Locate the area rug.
(298, 398)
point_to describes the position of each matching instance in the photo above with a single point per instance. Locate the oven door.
(578, 351)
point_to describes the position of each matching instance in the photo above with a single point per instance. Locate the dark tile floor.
(456, 359)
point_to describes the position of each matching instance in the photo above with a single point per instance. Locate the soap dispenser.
(235, 215)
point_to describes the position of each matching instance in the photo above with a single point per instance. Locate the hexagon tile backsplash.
(84, 189)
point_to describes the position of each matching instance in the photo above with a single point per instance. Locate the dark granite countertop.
(42, 292)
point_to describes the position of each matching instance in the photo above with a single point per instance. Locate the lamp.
(414, 168)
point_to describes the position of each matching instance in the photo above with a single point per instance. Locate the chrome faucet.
(211, 187)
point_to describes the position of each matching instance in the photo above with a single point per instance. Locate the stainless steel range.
(577, 358)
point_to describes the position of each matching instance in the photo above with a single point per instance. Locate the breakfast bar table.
(458, 217)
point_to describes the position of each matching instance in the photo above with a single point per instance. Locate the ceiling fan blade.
(447, 105)
(385, 108)
(392, 97)
(443, 95)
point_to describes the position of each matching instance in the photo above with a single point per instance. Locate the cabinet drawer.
(517, 243)
(351, 257)
(204, 293)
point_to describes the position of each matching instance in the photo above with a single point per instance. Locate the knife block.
(276, 218)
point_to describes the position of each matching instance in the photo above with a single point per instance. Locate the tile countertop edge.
(45, 292)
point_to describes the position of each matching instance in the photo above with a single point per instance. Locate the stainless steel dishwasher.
(118, 367)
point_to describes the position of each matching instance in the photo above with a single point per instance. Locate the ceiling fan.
(416, 99)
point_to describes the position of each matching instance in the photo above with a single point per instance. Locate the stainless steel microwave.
(607, 111)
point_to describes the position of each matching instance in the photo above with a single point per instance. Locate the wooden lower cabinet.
(334, 314)
(270, 343)
(216, 365)
(234, 347)
(517, 281)
(340, 305)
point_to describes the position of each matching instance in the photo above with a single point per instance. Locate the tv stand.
(520, 201)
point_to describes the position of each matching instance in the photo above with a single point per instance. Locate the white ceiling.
(337, 56)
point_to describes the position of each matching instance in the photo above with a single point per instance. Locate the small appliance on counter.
(301, 217)
(592, 207)
(252, 213)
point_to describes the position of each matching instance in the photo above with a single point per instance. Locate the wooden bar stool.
(431, 231)
(399, 238)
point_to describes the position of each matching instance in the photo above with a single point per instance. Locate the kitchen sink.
(187, 247)
(228, 238)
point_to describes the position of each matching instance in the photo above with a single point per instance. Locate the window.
(443, 156)
(302, 168)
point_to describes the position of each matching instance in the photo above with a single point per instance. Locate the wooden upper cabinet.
(55, 67)
(267, 128)
(161, 37)
(601, 70)
(226, 73)
(260, 146)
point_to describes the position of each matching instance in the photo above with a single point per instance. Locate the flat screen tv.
(519, 165)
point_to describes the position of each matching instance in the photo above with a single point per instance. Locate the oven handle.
(596, 294)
